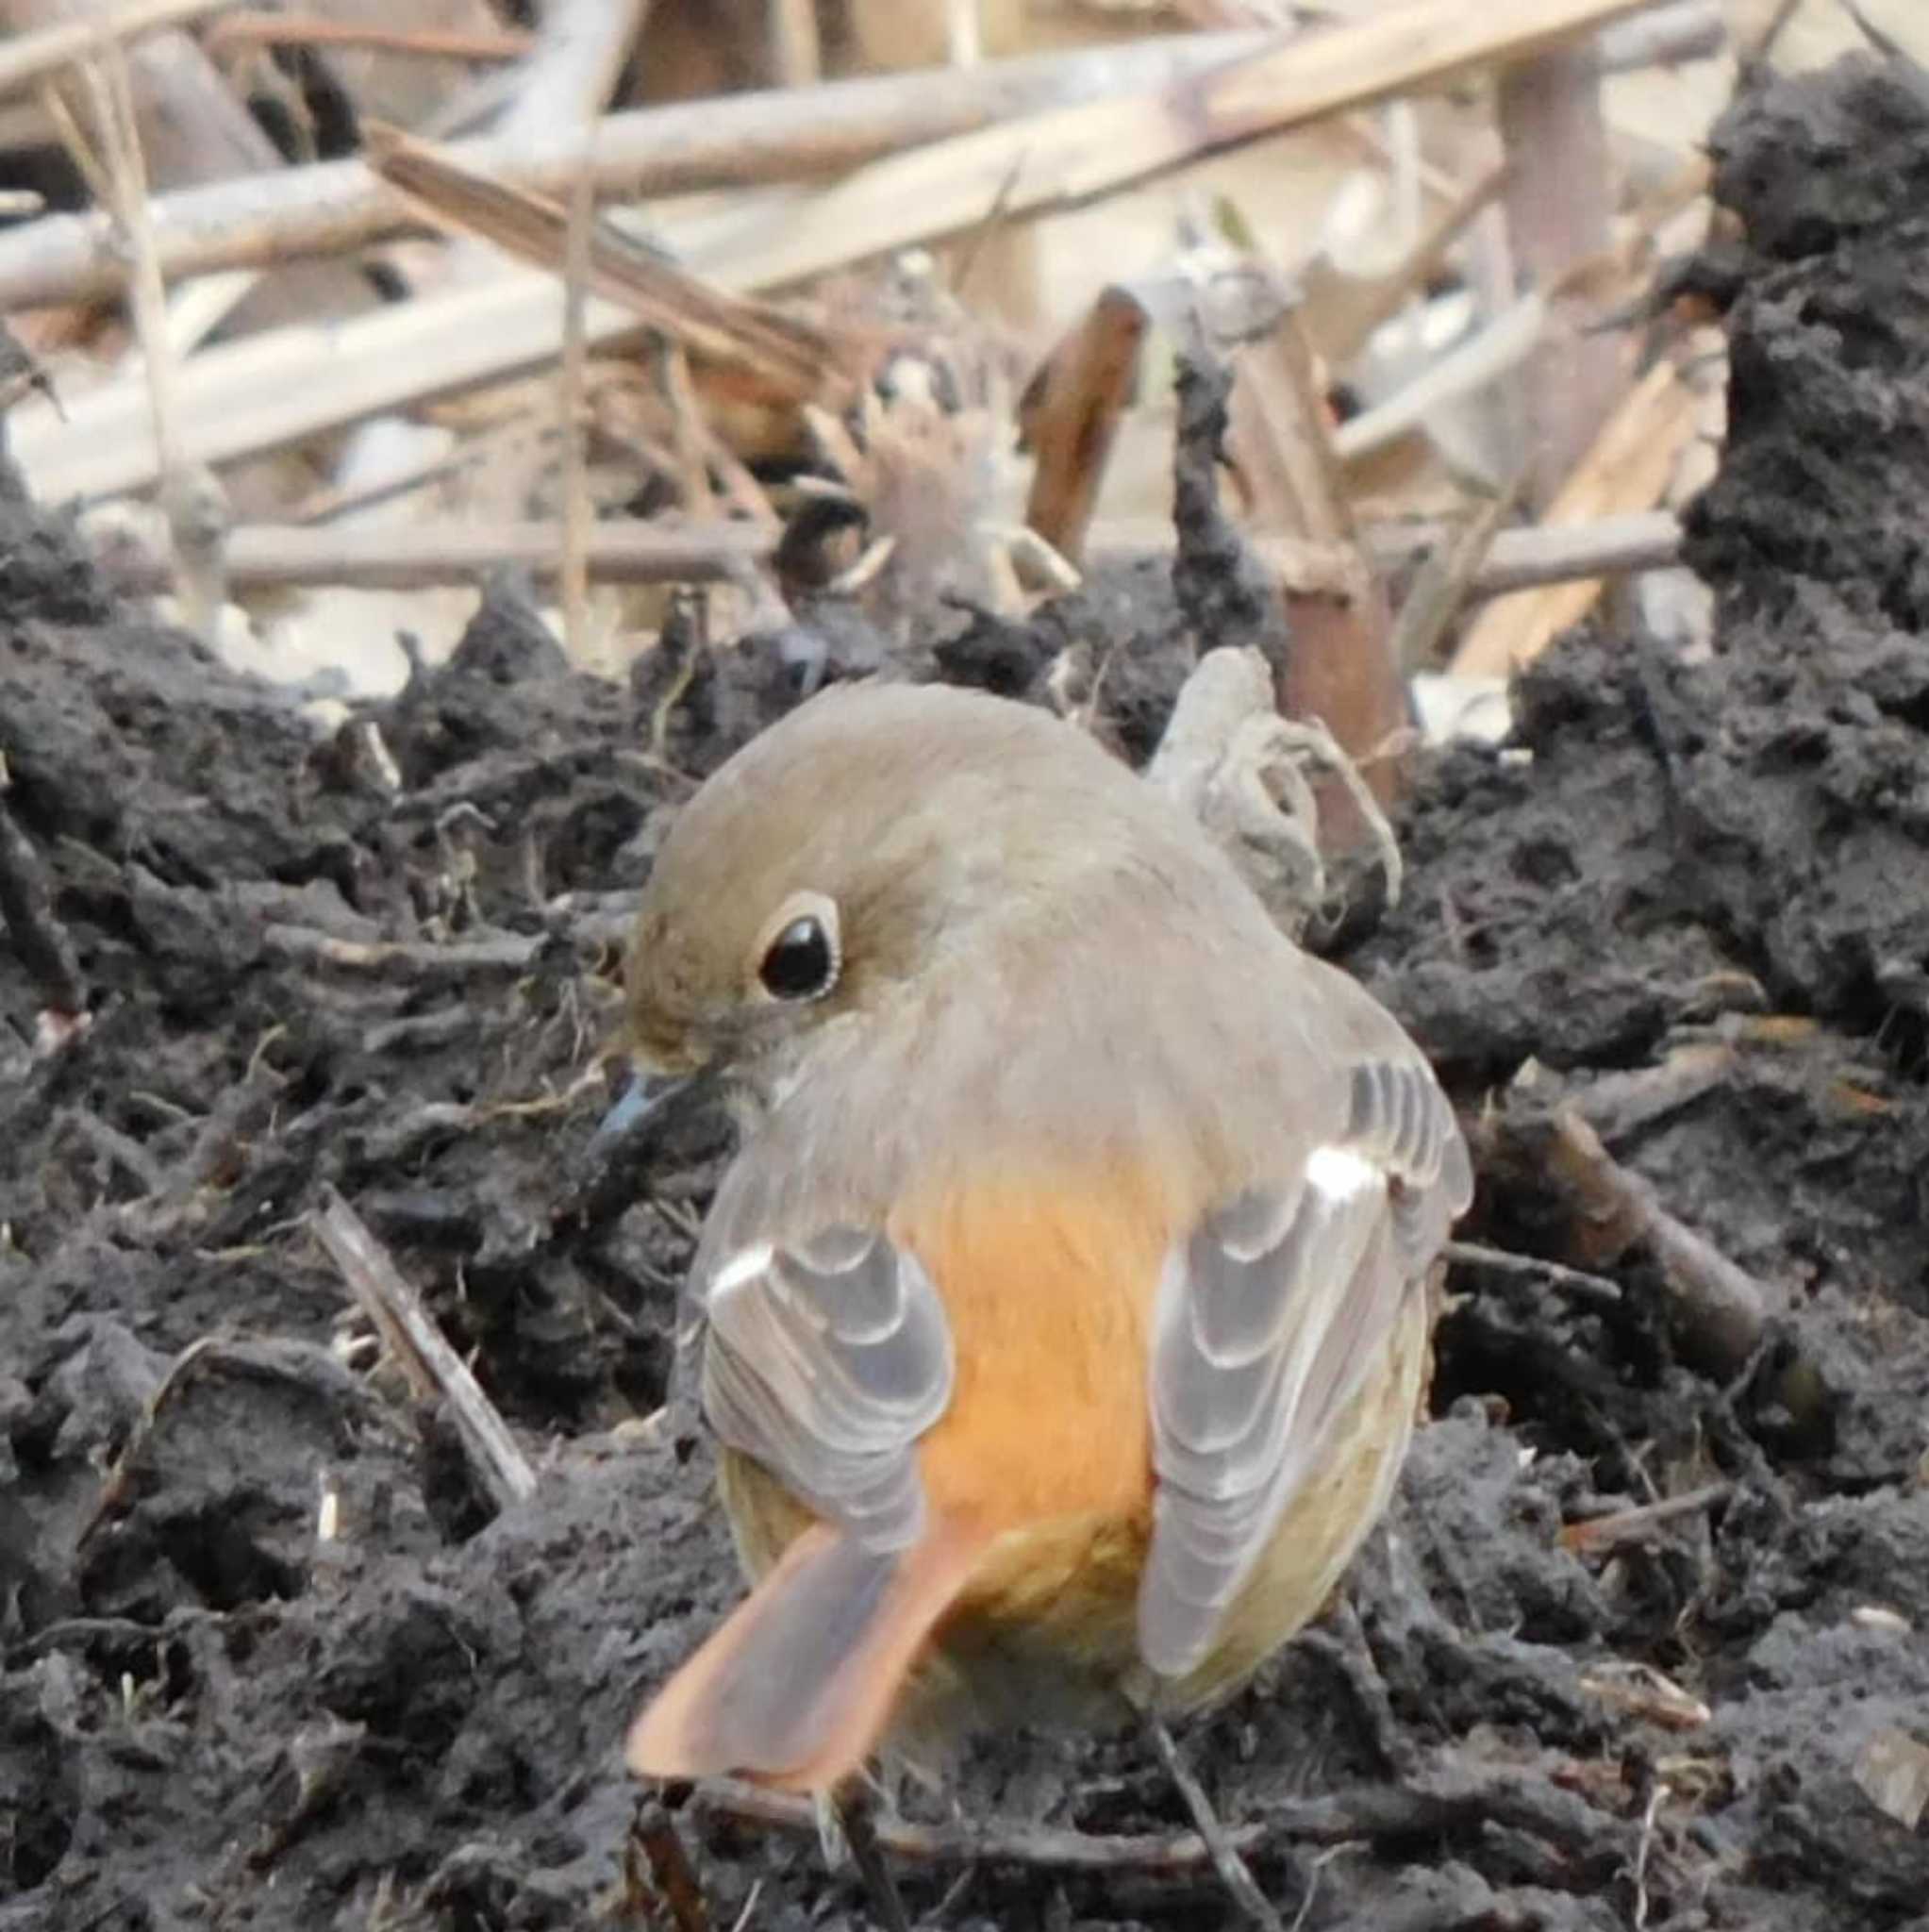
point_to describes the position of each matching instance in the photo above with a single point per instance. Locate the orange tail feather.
(795, 1689)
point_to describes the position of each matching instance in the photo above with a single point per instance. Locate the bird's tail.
(796, 1688)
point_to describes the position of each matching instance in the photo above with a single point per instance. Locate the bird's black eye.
(800, 962)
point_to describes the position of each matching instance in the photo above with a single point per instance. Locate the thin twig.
(1596, 1533)
(1429, 1809)
(416, 1340)
(1174, 1855)
(1585, 1286)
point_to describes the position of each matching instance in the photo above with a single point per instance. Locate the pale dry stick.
(412, 557)
(249, 27)
(574, 575)
(742, 140)
(1606, 546)
(415, 1340)
(1516, 560)
(32, 57)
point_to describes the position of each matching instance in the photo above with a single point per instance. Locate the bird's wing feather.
(1270, 1310)
(826, 1358)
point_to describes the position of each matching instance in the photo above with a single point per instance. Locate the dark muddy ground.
(298, 977)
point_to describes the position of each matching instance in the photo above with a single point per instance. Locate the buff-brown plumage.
(1064, 1314)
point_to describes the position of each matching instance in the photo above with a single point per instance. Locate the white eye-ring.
(798, 955)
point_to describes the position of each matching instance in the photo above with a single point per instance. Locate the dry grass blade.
(791, 358)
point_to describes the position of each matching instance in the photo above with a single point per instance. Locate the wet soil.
(305, 963)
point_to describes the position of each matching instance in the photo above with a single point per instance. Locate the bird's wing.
(826, 1358)
(1270, 1312)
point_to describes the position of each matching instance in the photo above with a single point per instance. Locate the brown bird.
(1064, 1315)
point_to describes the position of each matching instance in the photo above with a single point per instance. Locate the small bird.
(1064, 1315)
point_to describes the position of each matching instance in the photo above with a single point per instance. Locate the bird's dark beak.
(655, 1098)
